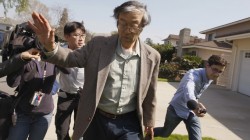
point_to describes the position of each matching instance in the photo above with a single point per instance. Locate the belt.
(72, 95)
(113, 116)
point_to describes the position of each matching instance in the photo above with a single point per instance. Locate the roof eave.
(233, 37)
(208, 48)
(225, 25)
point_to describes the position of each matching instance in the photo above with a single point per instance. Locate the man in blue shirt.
(191, 87)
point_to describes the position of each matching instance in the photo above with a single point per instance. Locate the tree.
(89, 36)
(114, 32)
(149, 41)
(166, 51)
(19, 5)
(34, 5)
(56, 13)
(64, 19)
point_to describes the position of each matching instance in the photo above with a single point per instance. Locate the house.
(204, 49)
(236, 34)
(175, 39)
(172, 39)
(231, 41)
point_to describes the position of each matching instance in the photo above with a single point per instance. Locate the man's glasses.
(215, 70)
(79, 35)
(132, 28)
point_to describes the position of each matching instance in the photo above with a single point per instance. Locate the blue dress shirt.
(191, 87)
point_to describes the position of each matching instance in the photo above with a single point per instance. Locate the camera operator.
(34, 110)
(34, 79)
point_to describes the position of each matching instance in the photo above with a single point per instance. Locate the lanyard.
(42, 74)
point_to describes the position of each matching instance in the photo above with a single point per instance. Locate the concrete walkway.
(228, 116)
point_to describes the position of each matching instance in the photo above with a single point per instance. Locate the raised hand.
(43, 31)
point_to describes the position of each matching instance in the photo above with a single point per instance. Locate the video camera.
(22, 38)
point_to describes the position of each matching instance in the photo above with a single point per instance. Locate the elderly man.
(118, 98)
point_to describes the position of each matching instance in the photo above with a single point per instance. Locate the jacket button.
(89, 119)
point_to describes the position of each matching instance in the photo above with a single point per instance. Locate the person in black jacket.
(35, 107)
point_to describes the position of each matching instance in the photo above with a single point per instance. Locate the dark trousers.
(123, 127)
(65, 107)
(172, 120)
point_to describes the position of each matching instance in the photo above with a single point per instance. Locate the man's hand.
(149, 133)
(43, 31)
(31, 53)
(199, 111)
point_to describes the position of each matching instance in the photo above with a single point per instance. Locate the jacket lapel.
(145, 71)
(106, 54)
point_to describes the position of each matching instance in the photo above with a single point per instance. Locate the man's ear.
(207, 65)
(66, 37)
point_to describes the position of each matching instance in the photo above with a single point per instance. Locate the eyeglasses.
(79, 35)
(215, 70)
(132, 28)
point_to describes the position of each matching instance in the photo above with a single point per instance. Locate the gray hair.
(131, 6)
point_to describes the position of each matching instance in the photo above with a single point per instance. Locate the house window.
(211, 37)
(247, 55)
(193, 53)
(177, 43)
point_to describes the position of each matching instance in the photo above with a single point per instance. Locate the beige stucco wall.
(238, 46)
(223, 80)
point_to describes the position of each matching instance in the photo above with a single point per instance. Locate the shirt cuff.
(51, 53)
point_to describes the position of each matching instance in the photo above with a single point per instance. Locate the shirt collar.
(136, 51)
(204, 76)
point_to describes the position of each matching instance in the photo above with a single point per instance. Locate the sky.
(168, 16)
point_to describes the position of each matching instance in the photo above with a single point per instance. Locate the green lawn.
(180, 137)
(162, 79)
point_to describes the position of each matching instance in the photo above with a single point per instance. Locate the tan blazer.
(96, 59)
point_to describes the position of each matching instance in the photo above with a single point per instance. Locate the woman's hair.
(131, 6)
(216, 60)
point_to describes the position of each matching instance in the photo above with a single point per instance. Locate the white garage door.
(244, 81)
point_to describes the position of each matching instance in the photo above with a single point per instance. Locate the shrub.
(168, 71)
(176, 68)
(190, 62)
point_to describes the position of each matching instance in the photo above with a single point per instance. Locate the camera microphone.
(192, 105)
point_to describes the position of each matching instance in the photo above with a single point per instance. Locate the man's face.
(129, 27)
(214, 71)
(75, 39)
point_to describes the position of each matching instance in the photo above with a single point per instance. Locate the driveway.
(228, 116)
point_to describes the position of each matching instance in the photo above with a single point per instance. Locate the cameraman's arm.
(13, 79)
(11, 65)
(19, 60)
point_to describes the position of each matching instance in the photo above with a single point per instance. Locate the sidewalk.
(51, 134)
(228, 116)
